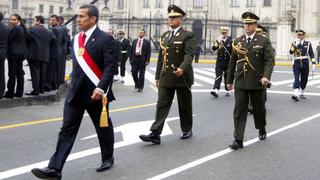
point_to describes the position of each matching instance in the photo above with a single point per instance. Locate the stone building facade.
(204, 17)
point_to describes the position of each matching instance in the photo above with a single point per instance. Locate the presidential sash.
(91, 69)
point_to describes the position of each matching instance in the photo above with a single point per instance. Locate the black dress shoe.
(17, 95)
(262, 134)
(295, 98)
(8, 95)
(135, 86)
(46, 173)
(105, 165)
(186, 135)
(152, 137)
(32, 93)
(139, 90)
(237, 144)
(214, 94)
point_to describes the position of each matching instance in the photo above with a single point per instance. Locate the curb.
(48, 98)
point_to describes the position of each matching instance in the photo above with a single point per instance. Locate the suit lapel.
(92, 38)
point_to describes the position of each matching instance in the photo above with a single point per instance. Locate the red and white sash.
(85, 61)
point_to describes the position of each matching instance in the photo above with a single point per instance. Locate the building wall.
(281, 16)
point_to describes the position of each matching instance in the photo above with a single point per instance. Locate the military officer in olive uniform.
(250, 68)
(174, 74)
(263, 32)
(302, 52)
(224, 47)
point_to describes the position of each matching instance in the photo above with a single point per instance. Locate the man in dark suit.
(59, 33)
(139, 59)
(4, 33)
(38, 57)
(125, 51)
(65, 44)
(85, 92)
(174, 74)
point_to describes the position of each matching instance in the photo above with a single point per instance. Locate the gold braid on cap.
(164, 54)
(243, 51)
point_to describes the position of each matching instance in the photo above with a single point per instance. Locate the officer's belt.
(301, 57)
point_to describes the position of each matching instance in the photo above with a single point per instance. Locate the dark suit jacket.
(146, 51)
(65, 40)
(17, 42)
(39, 39)
(101, 48)
(4, 33)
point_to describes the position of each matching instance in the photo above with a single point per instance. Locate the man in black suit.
(85, 92)
(139, 59)
(59, 33)
(4, 33)
(125, 51)
(65, 44)
(39, 39)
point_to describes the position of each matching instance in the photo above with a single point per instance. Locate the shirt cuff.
(102, 92)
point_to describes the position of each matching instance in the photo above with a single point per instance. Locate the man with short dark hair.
(59, 33)
(94, 62)
(4, 33)
(38, 44)
(65, 45)
(139, 59)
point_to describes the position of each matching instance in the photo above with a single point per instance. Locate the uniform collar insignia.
(255, 39)
(177, 34)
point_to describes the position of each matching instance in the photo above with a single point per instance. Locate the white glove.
(313, 67)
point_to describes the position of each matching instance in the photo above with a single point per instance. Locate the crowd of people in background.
(45, 50)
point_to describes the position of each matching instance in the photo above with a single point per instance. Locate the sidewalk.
(46, 98)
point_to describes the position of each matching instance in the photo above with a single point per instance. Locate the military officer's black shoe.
(302, 97)
(237, 144)
(46, 173)
(105, 165)
(186, 135)
(33, 93)
(152, 137)
(262, 134)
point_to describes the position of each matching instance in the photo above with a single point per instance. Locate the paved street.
(28, 136)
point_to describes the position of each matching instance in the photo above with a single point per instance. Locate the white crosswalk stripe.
(206, 76)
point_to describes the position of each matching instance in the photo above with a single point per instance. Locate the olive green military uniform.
(179, 52)
(246, 73)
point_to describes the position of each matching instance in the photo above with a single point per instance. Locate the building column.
(104, 20)
(284, 36)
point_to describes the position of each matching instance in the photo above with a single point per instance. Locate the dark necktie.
(172, 34)
(84, 38)
(249, 40)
